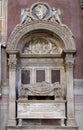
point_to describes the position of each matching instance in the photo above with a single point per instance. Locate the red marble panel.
(50, 122)
(55, 76)
(40, 75)
(25, 76)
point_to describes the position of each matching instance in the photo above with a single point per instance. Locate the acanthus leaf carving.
(69, 61)
(12, 61)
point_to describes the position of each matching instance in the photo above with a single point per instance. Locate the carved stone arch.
(62, 31)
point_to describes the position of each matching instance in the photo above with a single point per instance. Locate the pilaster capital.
(12, 61)
(69, 60)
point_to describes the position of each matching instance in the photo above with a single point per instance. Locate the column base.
(71, 122)
(12, 122)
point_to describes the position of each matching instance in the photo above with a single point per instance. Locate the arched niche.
(38, 31)
(62, 31)
(40, 42)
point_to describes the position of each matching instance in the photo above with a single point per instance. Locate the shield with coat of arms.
(40, 11)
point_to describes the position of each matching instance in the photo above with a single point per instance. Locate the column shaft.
(70, 93)
(12, 90)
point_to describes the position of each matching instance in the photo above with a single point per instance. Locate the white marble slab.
(41, 110)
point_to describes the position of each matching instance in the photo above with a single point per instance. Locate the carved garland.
(43, 88)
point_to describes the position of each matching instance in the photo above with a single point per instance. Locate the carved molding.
(37, 127)
(62, 31)
(26, 62)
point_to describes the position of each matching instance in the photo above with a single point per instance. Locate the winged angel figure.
(25, 15)
(55, 15)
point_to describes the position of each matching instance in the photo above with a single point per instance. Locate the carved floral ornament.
(12, 61)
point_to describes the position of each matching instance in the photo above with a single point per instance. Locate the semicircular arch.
(62, 31)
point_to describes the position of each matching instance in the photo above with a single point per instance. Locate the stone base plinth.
(40, 127)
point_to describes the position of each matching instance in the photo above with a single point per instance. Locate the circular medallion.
(40, 11)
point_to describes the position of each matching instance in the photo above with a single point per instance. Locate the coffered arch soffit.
(59, 30)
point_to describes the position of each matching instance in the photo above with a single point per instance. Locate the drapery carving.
(42, 89)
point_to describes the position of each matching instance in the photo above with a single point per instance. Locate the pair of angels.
(25, 15)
